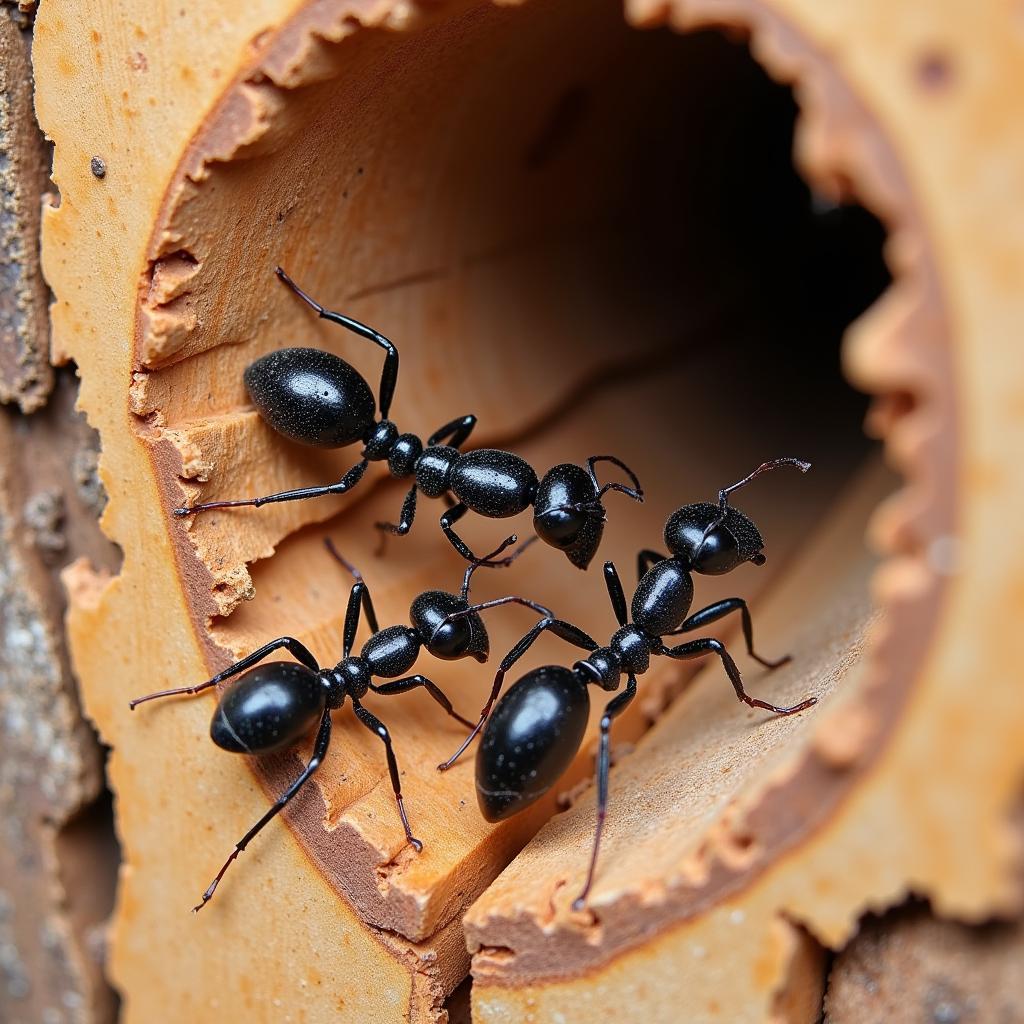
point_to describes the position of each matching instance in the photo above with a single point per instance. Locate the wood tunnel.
(585, 227)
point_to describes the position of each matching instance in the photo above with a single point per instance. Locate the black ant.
(274, 705)
(537, 727)
(316, 398)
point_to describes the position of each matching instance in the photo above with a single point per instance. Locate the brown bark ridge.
(25, 373)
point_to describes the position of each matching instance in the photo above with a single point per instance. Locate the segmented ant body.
(538, 725)
(275, 704)
(316, 398)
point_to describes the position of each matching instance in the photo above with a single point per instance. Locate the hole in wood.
(602, 247)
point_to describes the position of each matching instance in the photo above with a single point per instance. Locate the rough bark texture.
(909, 967)
(25, 373)
(58, 857)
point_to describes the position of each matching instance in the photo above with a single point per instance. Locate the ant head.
(570, 509)
(714, 539)
(464, 637)
(711, 541)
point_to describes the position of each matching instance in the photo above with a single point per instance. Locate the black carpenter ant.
(274, 705)
(316, 398)
(537, 727)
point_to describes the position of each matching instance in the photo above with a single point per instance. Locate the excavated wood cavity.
(590, 236)
(711, 809)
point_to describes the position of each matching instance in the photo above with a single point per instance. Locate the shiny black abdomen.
(493, 483)
(267, 708)
(662, 598)
(311, 396)
(530, 739)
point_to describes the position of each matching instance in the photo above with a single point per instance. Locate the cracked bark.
(58, 855)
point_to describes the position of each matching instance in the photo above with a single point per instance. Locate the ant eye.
(716, 554)
(560, 527)
(452, 639)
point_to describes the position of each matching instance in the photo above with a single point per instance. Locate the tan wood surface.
(132, 88)
(58, 855)
(517, 356)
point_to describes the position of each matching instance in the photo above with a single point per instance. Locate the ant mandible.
(273, 705)
(538, 726)
(316, 398)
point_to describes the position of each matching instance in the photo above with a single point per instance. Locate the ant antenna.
(339, 557)
(723, 494)
(636, 492)
(504, 563)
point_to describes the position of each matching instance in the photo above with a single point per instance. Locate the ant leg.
(645, 559)
(358, 595)
(718, 610)
(636, 492)
(389, 375)
(375, 725)
(323, 740)
(453, 515)
(708, 645)
(411, 683)
(298, 651)
(565, 630)
(615, 594)
(346, 483)
(612, 710)
(368, 610)
(404, 524)
(454, 433)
